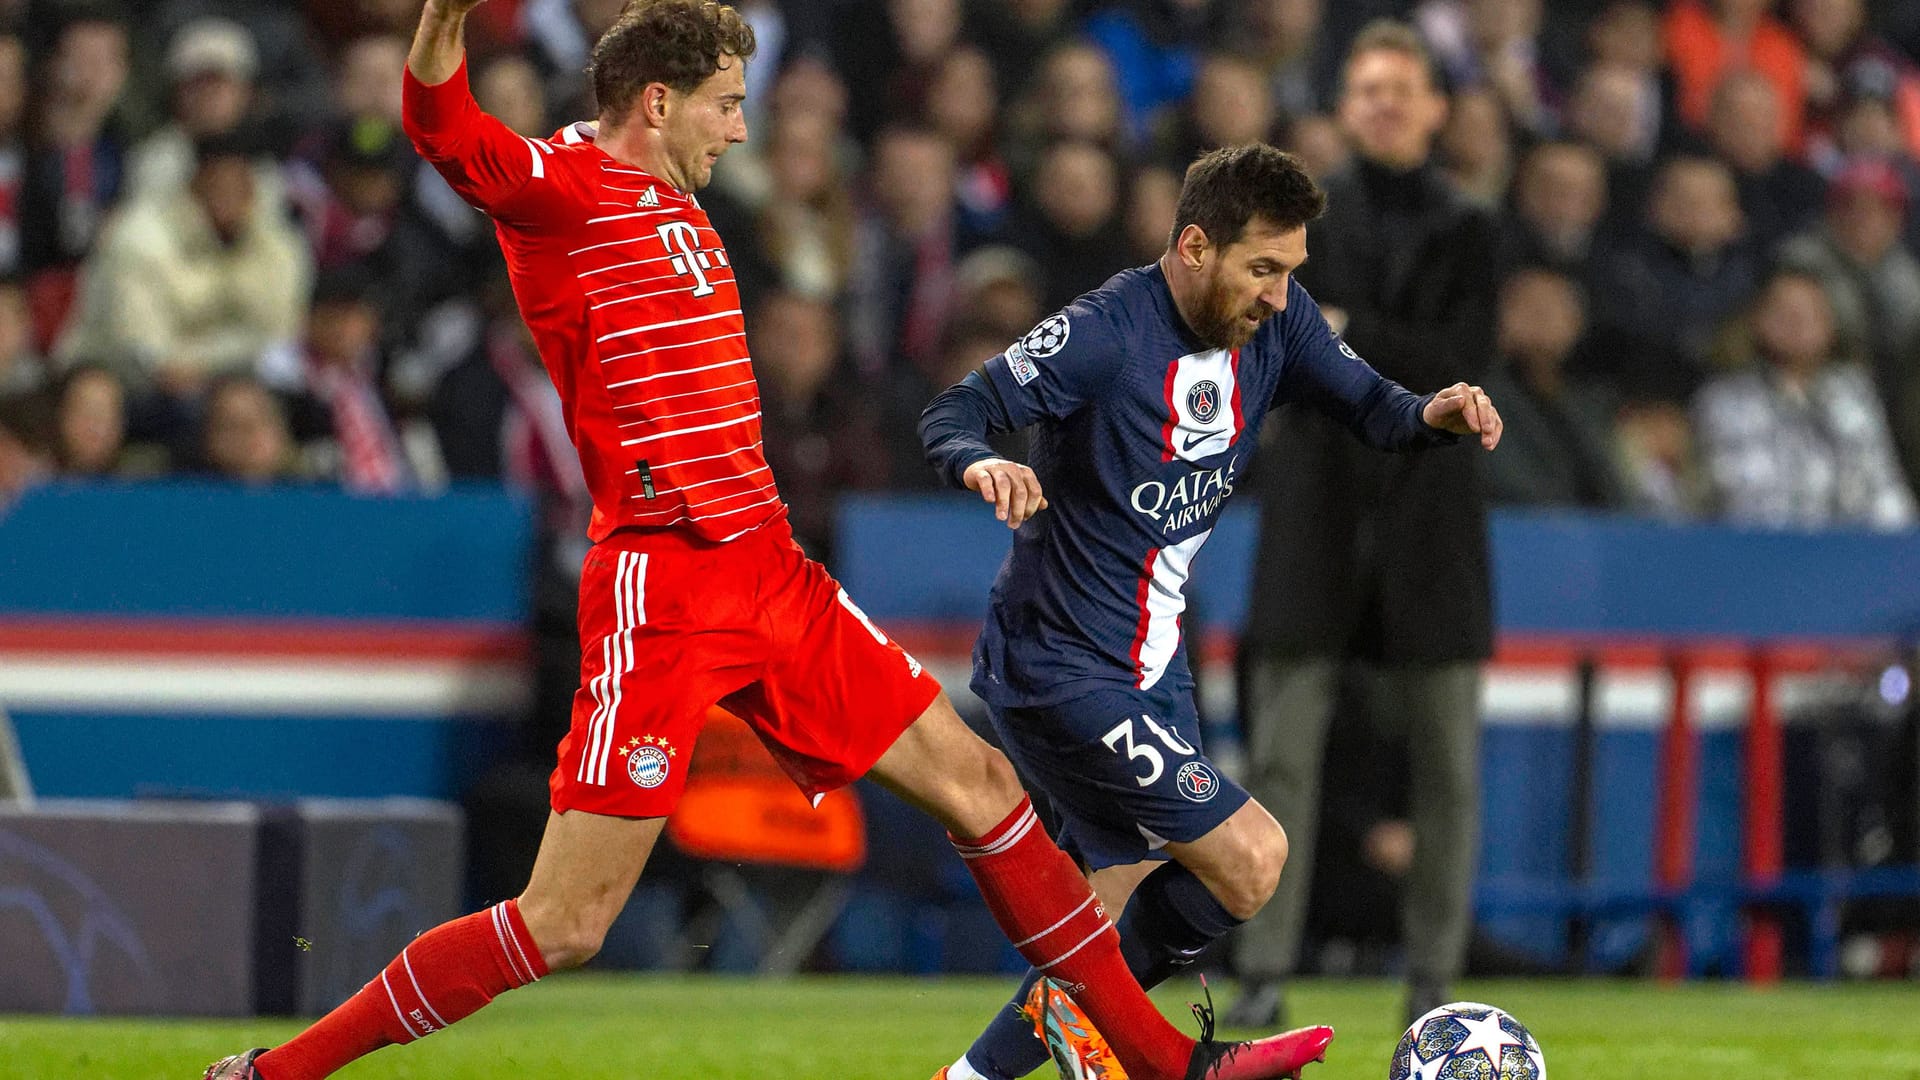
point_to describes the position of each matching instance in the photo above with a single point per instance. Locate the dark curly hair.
(1227, 188)
(676, 42)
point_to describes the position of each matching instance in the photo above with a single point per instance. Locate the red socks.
(441, 977)
(1043, 903)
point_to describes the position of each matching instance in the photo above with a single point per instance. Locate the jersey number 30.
(1122, 734)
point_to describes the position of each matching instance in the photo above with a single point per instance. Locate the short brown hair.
(1228, 188)
(676, 42)
(1391, 35)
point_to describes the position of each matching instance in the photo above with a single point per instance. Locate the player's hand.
(1010, 486)
(1465, 410)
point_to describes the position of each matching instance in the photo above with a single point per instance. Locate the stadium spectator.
(1070, 221)
(1153, 194)
(90, 423)
(75, 160)
(185, 289)
(1075, 96)
(351, 203)
(22, 369)
(1559, 197)
(1368, 558)
(335, 410)
(210, 71)
(1624, 39)
(560, 33)
(1288, 40)
(963, 106)
(1842, 49)
(22, 463)
(1231, 105)
(1873, 283)
(1607, 113)
(1708, 39)
(508, 86)
(13, 110)
(243, 432)
(1563, 430)
(907, 242)
(1657, 461)
(367, 78)
(1662, 299)
(1493, 46)
(998, 289)
(1155, 49)
(1778, 197)
(889, 63)
(1476, 147)
(818, 421)
(806, 218)
(1316, 140)
(1016, 34)
(1799, 440)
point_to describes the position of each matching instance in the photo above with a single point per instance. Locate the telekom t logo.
(682, 237)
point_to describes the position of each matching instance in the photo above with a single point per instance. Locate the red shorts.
(667, 631)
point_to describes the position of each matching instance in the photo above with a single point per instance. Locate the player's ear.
(652, 105)
(1192, 246)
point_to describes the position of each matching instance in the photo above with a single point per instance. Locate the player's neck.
(630, 144)
(1184, 289)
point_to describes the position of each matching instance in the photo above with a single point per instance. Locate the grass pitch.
(711, 1028)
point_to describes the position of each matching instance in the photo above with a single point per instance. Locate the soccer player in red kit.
(694, 591)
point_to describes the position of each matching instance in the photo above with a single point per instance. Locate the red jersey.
(631, 300)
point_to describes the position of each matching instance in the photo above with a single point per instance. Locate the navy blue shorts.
(1124, 771)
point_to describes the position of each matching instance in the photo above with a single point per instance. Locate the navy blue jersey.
(1141, 434)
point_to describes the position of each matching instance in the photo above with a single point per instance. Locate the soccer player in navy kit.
(1146, 398)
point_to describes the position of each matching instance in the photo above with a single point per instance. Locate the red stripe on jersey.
(1140, 631)
(1239, 419)
(1173, 420)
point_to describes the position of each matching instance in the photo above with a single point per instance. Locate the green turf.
(654, 1028)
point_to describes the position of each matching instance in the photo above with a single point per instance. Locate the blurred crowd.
(219, 255)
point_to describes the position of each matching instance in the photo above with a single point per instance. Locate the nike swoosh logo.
(1189, 444)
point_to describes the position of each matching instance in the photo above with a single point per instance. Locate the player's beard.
(1225, 324)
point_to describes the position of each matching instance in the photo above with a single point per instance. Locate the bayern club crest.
(1203, 401)
(649, 760)
(1197, 781)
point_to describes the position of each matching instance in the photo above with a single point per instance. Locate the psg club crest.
(1203, 401)
(648, 760)
(1197, 781)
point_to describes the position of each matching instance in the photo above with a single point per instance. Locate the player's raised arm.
(491, 166)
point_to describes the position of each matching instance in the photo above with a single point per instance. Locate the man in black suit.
(1371, 558)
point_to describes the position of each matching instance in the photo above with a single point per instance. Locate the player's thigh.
(938, 765)
(586, 869)
(1124, 769)
(654, 656)
(1239, 860)
(839, 697)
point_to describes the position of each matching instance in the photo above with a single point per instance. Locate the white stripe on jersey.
(1166, 599)
(687, 431)
(665, 325)
(680, 371)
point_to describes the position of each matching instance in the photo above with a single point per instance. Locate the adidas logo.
(650, 199)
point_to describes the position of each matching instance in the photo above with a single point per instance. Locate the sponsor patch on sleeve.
(1021, 365)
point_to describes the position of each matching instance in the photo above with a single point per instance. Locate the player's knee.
(565, 937)
(1262, 855)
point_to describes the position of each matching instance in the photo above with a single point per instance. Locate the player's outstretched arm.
(439, 44)
(954, 430)
(1465, 410)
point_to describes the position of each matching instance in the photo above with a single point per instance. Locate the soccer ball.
(1467, 1041)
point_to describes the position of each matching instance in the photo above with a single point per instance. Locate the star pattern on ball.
(1485, 1035)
